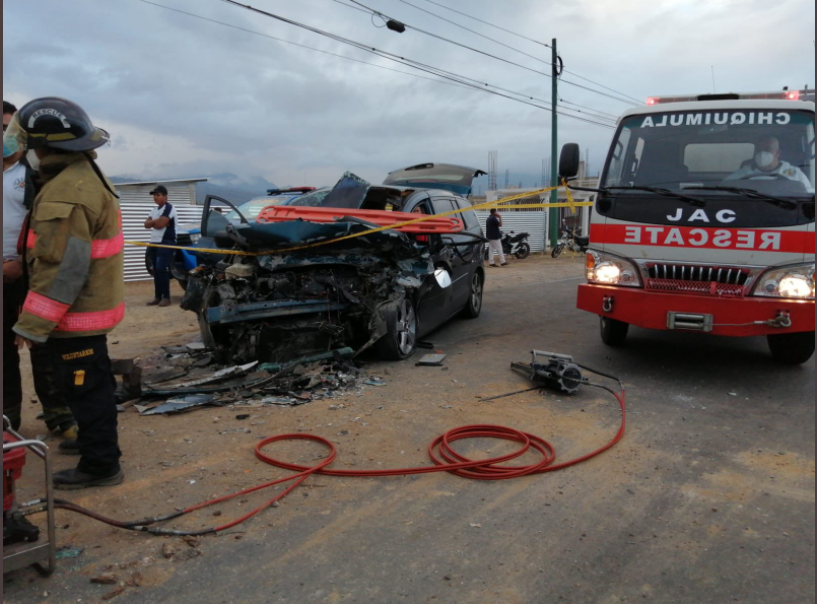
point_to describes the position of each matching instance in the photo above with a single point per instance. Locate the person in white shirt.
(767, 163)
(18, 194)
(162, 225)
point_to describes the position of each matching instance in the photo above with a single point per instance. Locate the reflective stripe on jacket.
(74, 254)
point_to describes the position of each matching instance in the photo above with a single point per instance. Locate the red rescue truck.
(704, 221)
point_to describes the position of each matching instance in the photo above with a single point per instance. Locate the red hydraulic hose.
(441, 452)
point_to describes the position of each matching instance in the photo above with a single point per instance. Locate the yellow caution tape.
(572, 204)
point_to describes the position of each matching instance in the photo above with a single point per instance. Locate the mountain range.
(232, 187)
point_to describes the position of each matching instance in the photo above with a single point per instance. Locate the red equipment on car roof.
(441, 226)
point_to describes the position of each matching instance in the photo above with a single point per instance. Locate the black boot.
(69, 447)
(73, 480)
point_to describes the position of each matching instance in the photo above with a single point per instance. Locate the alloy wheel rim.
(476, 294)
(406, 328)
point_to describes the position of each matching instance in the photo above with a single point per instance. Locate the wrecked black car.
(302, 281)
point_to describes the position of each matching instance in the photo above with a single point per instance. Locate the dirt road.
(710, 498)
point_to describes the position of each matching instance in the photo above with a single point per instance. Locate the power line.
(409, 62)
(522, 37)
(494, 25)
(455, 80)
(590, 110)
(282, 40)
(626, 101)
(495, 41)
(475, 32)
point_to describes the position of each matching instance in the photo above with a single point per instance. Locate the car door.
(433, 302)
(459, 252)
(212, 223)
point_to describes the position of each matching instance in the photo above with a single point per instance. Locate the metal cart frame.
(22, 555)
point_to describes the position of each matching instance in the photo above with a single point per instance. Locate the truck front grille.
(698, 280)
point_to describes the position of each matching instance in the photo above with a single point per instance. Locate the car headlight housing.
(606, 269)
(793, 282)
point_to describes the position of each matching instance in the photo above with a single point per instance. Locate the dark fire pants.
(79, 369)
(56, 413)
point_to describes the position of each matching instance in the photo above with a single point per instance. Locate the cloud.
(190, 97)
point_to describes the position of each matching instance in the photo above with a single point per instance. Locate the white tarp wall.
(136, 203)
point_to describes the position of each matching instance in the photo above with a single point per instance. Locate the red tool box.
(13, 462)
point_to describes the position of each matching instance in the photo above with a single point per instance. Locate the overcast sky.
(187, 97)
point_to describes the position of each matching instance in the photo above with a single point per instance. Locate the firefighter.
(74, 257)
(20, 186)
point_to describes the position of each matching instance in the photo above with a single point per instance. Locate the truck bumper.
(718, 316)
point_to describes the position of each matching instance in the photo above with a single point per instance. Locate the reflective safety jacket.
(74, 253)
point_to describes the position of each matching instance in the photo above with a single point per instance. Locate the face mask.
(6, 151)
(764, 159)
(33, 161)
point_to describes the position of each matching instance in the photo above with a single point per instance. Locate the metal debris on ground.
(431, 360)
(178, 405)
(324, 376)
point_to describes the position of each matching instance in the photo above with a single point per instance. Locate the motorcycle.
(570, 241)
(513, 245)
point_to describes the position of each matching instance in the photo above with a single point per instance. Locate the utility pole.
(554, 166)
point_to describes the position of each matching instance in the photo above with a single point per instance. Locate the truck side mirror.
(569, 161)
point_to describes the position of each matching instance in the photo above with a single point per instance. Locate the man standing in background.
(18, 198)
(162, 225)
(493, 233)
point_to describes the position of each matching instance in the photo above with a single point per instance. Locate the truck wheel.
(792, 348)
(613, 333)
(401, 340)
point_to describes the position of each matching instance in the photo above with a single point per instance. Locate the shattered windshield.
(770, 152)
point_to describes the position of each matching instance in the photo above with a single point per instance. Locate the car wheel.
(180, 276)
(523, 251)
(474, 307)
(400, 341)
(613, 333)
(792, 348)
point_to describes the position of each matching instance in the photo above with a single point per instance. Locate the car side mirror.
(443, 278)
(569, 161)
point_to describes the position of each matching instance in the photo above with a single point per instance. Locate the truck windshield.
(716, 152)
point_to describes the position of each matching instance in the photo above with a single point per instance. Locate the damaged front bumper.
(278, 306)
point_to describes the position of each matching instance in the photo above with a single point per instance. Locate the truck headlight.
(606, 269)
(795, 282)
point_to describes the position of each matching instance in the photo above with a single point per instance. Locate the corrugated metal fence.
(533, 222)
(136, 203)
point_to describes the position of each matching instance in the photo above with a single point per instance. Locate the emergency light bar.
(785, 95)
